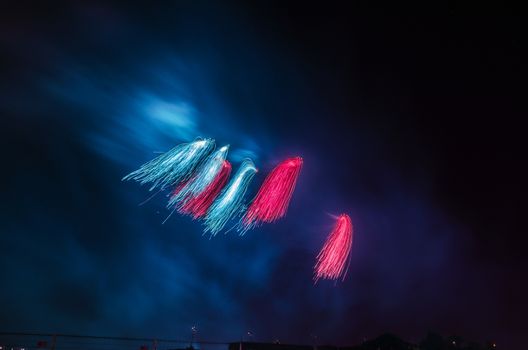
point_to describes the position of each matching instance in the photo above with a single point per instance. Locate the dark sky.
(410, 123)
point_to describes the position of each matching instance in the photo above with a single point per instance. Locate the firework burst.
(230, 200)
(332, 260)
(204, 176)
(174, 166)
(197, 206)
(273, 197)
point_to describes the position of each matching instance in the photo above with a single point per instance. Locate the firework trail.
(333, 259)
(201, 179)
(273, 197)
(197, 206)
(173, 166)
(229, 202)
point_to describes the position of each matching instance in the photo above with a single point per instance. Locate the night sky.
(410, 123)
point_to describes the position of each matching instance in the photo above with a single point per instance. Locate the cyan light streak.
(203, 177)
(230, 201)
(173, 166)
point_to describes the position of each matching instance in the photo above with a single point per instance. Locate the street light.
(250, 335)
(194, 331)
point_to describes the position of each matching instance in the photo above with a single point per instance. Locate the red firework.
(332, 260)
(197, 206)
(273, 197)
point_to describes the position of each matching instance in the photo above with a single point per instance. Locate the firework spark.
(173, 166)
(273, 197)
(197, 206)
(332, 260)
(229, 202)
(201, 179)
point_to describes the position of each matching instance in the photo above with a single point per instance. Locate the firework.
(229, 202)
(273, 197)
(173, 166)
(332, 260)
(197, 206)
(202, 178)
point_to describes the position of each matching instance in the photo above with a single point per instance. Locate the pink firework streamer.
(197, 206)
(332, 260)
(273, 197)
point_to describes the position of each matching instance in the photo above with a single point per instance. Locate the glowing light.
(332, 260)
(229, 202)
(203, 177)
(197, 206)
(273, 197)
(173, 166)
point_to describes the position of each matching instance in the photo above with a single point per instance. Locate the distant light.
(494, 345)
(454, 342)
